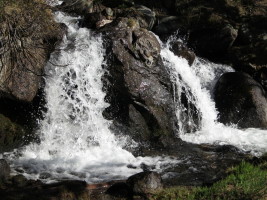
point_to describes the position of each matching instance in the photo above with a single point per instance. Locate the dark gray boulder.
(141, 83)
(241, 100)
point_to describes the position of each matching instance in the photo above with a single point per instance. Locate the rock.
(261, 76)
(24, 54)
(4, 171)
(66, 190)
(45, 175)
(241, 100)
(167, 25)
(146, 85)
(120, 189)
(145, 183)
(142, 15)
(79, 7)
(11, 134)
(214, 41)
(117, 3)
(19, 181)
(179, 49)
(165, 5)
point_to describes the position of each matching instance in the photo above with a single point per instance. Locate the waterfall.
(75, 139)
(196, 83)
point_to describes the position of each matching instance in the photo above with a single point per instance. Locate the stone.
(4, 171)
(146, 84)
(179, 49)
(120, 189)
(19, 180)
(145, 183)
(241, 100)
(11, 134)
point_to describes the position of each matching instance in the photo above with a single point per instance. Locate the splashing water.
(196, 82)
(76, 142)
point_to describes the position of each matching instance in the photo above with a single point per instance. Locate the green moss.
(245, 182)
(131, 22)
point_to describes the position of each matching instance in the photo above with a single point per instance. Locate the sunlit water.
(197, 82)
(75, 139)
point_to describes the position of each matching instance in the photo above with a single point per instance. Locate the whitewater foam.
(197, 83)
(75, 139)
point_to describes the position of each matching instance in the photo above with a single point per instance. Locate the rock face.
(141, 85)
(241, 100)
(25, 45)
(145, 183)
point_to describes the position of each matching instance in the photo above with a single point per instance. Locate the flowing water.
(75, 139)
(197, 83)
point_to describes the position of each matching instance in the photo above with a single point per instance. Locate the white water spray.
(197, 82)
(76, 142)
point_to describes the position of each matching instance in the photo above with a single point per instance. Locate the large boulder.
(140, 85)
(241, 100)
(28, 35)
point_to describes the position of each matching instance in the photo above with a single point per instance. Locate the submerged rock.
(241, 100)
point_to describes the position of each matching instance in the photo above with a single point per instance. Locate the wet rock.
(142, 15)
(117, 3)
(121, 190)
(241, 100)
(166, 5)
(145, 183)
(179, 49)
(261, 76)
(4, 171)
(19, 181)
(11, 134)
(79, 7)
(45, 175)
(214, 41)
(66, 190)
(167, 25)
(146, 85)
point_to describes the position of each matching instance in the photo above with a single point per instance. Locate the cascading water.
(196, 83)
(75, 140)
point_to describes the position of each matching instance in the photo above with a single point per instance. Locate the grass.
(246, 182)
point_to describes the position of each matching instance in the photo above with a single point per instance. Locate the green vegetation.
(245, 182)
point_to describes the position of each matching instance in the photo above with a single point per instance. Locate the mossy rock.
(11, 134)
